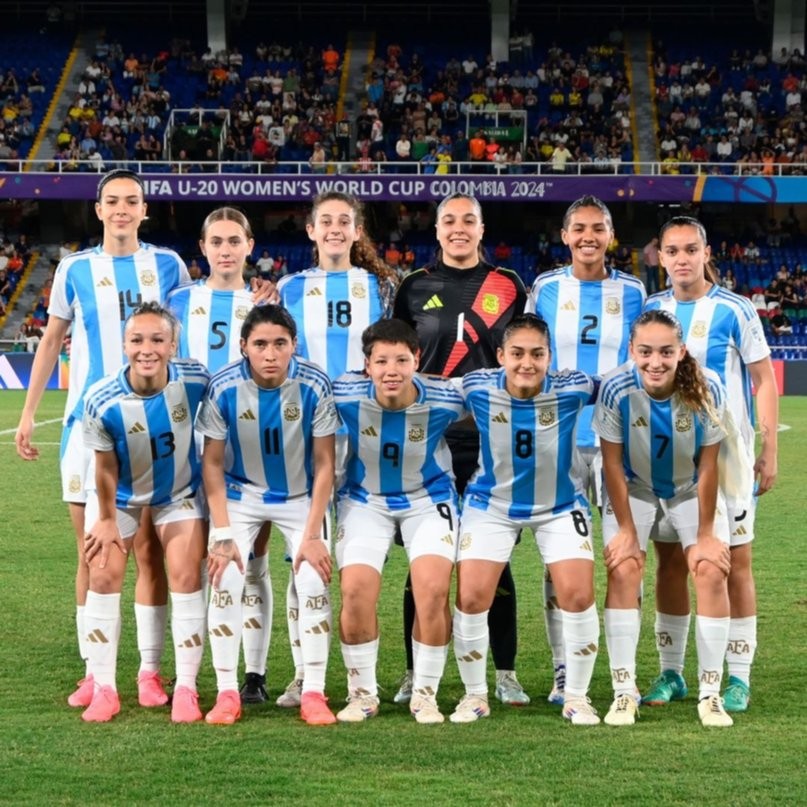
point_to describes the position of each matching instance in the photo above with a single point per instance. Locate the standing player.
(527, 419)
(347, 288)
(723, 332)
(94, 291)
(460, 307)
(589, 309)
(397, 477)
(211, 313)
(139, 422)
(660, 427)
(269, 422)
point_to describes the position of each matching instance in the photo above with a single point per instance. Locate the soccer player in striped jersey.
(460, 306)
(723, 332)
(139, 422)
(94, 291)
(659, 420)
(527, 419)
(347, 289)
(589, 309)
(210, 313)
(397, 477)
(269, 423)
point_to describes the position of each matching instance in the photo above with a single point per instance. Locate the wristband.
(217, 534)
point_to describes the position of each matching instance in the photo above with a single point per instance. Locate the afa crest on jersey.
(241, 312)
(490, 304)
(417, 433)
(683, 423)
(358, 290)
(291, 412)
(147, 277)
(698, 329)
(179, 413)
(546, 417)
(613, 306)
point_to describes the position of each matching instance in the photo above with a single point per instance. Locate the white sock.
(187, 630)
(671, 641)
(581, 632)
(711, 638)
(151, 622)
(621, 638)
(315, 627)
(224, 627)
(360, 663)
(81, 635)
(742, 647)
(471, 641)
(553, 620)
(257, 614)
(102, 628)
(293, 625)
(430, 662)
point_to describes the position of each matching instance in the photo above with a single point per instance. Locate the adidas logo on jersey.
(369, 432)
(138, 428)
(199, 312)
(248, 415)
(433, 302)
(500, 418)
(315, 292)
(104, 281)
(640, 422)
(568, 306)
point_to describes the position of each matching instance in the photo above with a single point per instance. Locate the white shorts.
(742, 518)
(665, 520)
(364, 533)
(128, 518)
(248, 515)
(75, 464)
(491, 535)
(587, 472)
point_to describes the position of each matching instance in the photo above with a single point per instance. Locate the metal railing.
(406, 167)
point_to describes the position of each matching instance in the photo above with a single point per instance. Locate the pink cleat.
(314, 709)
(83, 694)
(227, 709)
(105, 705)
(185, 706)
(150, 691)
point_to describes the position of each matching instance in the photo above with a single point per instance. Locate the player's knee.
(626, 576)
(710, 578)
(105, 581)
(308, 582)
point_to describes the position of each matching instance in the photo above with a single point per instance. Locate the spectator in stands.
(502, 253)
(265, 264)
(780, 323)
(318, 160)
(650, 260)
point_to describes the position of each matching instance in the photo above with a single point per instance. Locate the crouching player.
(397, 476)
(659, 420)
(527, 419)
(140, 424)
(269, 422)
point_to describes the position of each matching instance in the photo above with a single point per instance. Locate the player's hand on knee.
(101, 539)
(624, 545)
(219, 556)
(315, 552)
(712, 550)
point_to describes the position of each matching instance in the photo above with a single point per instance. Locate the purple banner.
(419, 187)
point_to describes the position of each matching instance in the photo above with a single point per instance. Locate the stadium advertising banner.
(420, 187)
(15, 371)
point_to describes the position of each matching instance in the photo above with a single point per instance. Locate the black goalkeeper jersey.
(459, 314)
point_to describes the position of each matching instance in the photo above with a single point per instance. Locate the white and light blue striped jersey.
(526, 446)
(332, 309)
(97, 292)
(589, 324)
(269, 433)
(397, 458)
(210, 323)
(661, 439)
(722, 330)
(152, 437)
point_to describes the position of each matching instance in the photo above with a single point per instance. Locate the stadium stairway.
(84, 48)
(637, 49)
(31, 292)
(362, 49)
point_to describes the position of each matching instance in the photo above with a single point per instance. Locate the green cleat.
(737, 695)
(669, 686)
